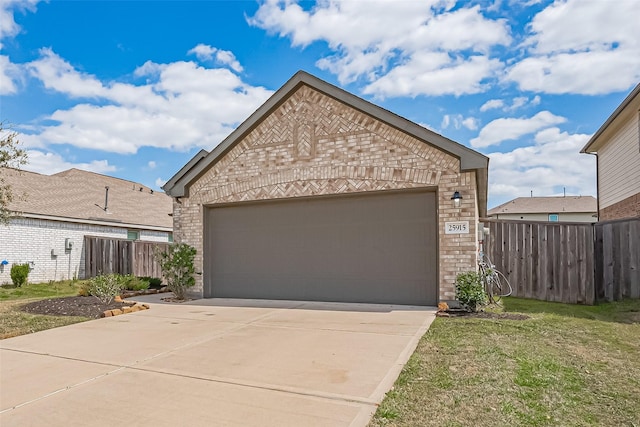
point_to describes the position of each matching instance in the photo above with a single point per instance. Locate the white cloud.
(435, 74)
(224, 57)
(492, 104)
(435, 51)
(458, 121)
(516, 103)
(552, 162)
(581, 46)
(182, 105)
(9, 27)
(151, 164)
(59, 75)
(203, 52)
(588, 73)
(505, 129)
(160, 182)
(9, 73)
(228, 58)
(470, 123)
(49, 163)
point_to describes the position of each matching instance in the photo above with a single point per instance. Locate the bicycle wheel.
(494, 287)
(504, 285)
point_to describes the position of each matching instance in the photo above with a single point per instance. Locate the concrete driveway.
(212, 363)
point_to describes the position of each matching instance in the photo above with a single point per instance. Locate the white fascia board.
(95, 222)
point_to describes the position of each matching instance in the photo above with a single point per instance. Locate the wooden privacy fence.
(106, 256)
(568, 262)
(617, 249)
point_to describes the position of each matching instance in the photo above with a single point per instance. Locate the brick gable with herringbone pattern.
(314, 145)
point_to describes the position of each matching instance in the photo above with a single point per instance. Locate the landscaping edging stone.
(126, 310)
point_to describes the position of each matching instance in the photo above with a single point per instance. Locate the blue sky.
(135, 89)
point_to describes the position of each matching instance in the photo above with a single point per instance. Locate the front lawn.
(14, 322)
(63, 288)
(567, 365)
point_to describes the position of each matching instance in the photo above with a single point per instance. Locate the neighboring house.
(55, 212)
(562, 209)
(321, 195)
(617, 147)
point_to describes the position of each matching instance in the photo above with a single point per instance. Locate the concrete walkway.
(211, 363)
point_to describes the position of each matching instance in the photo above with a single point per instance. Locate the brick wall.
(627, 208)
(31, 241)
(314, 145)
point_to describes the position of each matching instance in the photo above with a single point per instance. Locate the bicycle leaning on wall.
(495, 283)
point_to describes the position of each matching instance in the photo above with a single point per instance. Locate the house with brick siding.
(616, 146)
(55, 212)
(321, 195)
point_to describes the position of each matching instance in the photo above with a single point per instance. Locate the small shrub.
(154, 282)
(83, 290)
(469, 290)
(106, 287)
(177, 268)
(134, 283)
(19, 274)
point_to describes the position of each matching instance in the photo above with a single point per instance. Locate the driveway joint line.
(67, 388)
(58, 356)
(287, 390)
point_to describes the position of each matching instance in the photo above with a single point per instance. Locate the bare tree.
(11, 156)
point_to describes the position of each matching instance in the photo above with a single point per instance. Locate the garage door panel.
(365, 248)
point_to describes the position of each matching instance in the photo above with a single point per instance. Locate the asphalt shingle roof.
(80, 195)
(523, 205)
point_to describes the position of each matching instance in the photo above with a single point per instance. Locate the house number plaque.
(456, 227)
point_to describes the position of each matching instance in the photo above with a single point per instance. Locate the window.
(553, 217)
(170, 237)
(133, 235)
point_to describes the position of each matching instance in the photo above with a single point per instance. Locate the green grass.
(14, 322)
(41, 290)
(567, 365)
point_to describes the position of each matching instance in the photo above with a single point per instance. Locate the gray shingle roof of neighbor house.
(79, 196)
(592, 146)
(569, 204)
(178, 185)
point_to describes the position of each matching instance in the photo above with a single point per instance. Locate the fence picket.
(569, 262)
(105, 256)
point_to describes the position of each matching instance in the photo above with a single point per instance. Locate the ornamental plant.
(19, 274)
(106, 287)
(469, 291)
(133, 283)
(177, 264)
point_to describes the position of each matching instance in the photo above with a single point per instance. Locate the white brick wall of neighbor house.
(41, 244)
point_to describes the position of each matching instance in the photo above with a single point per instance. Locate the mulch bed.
(72, 306)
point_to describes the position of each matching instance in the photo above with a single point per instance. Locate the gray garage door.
(376, 248)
